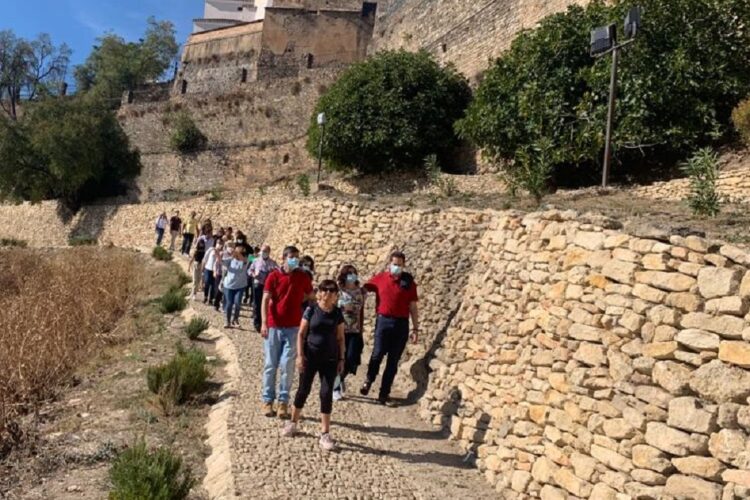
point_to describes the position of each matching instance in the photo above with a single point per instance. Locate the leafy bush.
(446, 185)
(678, 84)
(182, 377)
(303, 183)
(703, 170)
(195, 327)
(389, 112)
(161, 253)
(13, 242)
(69, 149)
(533, 170)
(186, 136)
(80, 241)
(172, 301)
(741, 120)
(138, 473)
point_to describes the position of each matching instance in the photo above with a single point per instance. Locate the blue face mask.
(396, 270)
(292, 263)
(352, 278)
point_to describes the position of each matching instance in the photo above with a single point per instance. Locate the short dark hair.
(398, 255)
(328, 284)
(290, 249)
(306, 259)
(345, 270)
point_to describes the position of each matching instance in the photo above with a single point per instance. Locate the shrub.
(534, 170)
(13, 242)
(446, 185)
(388, 112)
(172, 301)
(303, 183)
(195, 327)
(186, 136)
(182, 377)
(741, 120)
(138, 473)
(703, 170)
(183, 279)
(161, 253)
(80, 241)
(548, 86)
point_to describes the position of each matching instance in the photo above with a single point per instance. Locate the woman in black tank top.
(320, 350)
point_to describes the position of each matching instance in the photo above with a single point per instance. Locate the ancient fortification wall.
(254, 135)
(572, 359)
(467, 34)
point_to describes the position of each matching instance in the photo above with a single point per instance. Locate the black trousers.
(187, 242)
(353, 358)
(257, 301)
(323, 365)
(391, 336)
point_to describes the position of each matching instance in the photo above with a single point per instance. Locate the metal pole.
(320, 150)
(610, 117)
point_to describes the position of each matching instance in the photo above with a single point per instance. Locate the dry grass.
(56, 307)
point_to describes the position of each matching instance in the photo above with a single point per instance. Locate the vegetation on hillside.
(703, 170)
(741, 120)
(678, 85)
(390, 112)
(186, 136)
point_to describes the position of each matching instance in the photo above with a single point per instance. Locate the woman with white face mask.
(352, 305)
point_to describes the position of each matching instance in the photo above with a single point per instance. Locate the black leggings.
(325, 365)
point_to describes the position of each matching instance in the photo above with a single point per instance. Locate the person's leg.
(306, 378)
(400, 336)
(379, 348)
(189, 243)
(228, 296)
(327, 372)
(286, 364)
(172, 238)
(208, 285)
(257, 301)
(237, 301)
(272, 351)
(159, 237)
(196, 279)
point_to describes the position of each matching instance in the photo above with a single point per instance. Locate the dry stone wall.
(571, 359)
(733, 184)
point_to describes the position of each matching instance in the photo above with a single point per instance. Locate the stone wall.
(733, 184)
(467, 34)
(255, 135)
(569, 358)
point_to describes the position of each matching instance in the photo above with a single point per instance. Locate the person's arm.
(264, 314)
(340, 338)
(301, 361)
(362, 313)
(414, 312)
(190, 264)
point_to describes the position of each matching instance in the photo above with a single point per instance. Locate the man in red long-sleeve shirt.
(396, 300)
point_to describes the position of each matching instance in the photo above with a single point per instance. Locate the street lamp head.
(632, 22)
(603, 39)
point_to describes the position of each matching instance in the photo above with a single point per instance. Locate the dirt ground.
(72, 440)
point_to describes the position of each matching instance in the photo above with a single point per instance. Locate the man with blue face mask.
(284, 291)
(396, 299)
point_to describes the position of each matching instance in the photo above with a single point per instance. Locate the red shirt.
(391, 298)
(287, 292)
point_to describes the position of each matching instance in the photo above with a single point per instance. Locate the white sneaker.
(326, 442)
(337, 396)
(289, 430)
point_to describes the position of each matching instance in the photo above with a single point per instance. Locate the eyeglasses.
(329, 290)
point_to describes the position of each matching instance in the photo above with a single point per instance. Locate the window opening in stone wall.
(184, 87)
(310, 60)
(243, 78)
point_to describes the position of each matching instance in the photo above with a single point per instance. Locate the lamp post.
(322, 123)
(603, 42)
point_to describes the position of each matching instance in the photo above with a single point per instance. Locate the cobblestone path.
(383, 452)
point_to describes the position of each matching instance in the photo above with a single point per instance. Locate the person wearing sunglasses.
(320, 343)
(396, 299)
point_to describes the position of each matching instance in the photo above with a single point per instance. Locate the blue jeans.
(159, 236)
(233, 303)
(209, 285)
(281, 353)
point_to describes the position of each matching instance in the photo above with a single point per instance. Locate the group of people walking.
(315, 330)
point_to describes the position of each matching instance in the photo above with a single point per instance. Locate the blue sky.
(79, 22)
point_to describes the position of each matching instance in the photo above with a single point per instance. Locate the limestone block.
(672, 282)
(688, 302)
(718, 282)
(551, 493)
(618, 428)
(576, 486)
(590, 354)
(632, 321)
(745, 285)
(649, 294)
(653, 395)
(520, 480)
(720, 382)
(585, 332)
(672, 377)
(648, 457)
(620, 271)
(543, 470)
(662, 315)
(739, 477)
(726, 326)
(687, 413)
(735, 254)
(673, 441)
(655, 262)
(639, 490)
(589, 240)
(734, 305)
(728, 446)
(648, 477)
(736, 353)
(698, 340)
(705, 467)
(611, 458)
(727, 415)
(660, 350)
(681, 486)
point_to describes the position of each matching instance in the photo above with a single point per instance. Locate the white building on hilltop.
(223, 13)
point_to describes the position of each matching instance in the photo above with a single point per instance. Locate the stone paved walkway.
(384, 452)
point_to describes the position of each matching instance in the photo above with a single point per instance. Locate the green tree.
(678, 84)
(186, 136)
(29, 69)
(68, 149)
(115, 65)
(389, 112)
